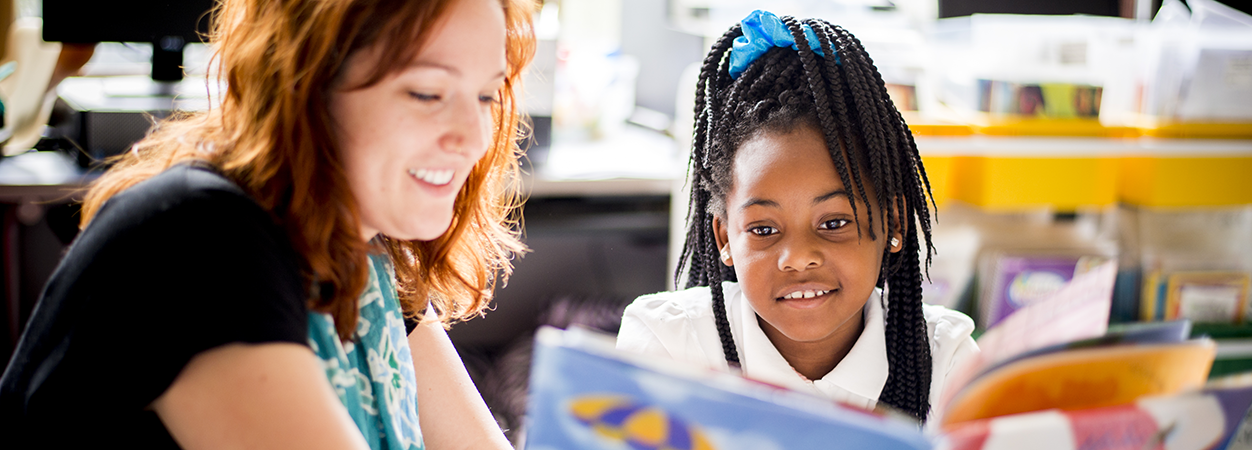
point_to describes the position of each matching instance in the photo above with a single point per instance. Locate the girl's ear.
(896, 242)
(722, 237)
(895, 237)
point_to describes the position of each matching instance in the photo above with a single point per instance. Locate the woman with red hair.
(278, 271)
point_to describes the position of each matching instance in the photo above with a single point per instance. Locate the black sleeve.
(180, 265)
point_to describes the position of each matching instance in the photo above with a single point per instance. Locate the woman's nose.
(466, 129)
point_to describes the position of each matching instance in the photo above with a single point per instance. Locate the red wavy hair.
(271, 135)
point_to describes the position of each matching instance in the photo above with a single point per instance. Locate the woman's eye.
(763, 231)
(488, 99)
(424, 97)
(834, 224)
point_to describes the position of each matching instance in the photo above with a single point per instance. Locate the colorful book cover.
(1149, 308)
(1084, 378)
(1021, 280)
(584, 395)
(1055, 353)
(1207, 297)
(1215, 418)
(1143, 333)
(1078, 310)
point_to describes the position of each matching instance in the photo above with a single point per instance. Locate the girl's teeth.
(805, 294)
(435, 177)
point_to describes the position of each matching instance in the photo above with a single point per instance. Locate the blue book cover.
(585, 395)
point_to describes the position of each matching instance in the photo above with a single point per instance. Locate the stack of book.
(1050, 376)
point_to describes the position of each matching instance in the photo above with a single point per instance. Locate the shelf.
(1199, 130)
(1030, 126)
(1016, 173)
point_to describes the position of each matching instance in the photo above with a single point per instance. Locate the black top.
(176, 265)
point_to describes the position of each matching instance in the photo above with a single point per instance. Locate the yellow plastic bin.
(1172, 173)
(1022, 173)
(935, 142)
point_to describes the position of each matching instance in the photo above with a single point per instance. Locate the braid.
(696, 243)
(908, 346)
(817, 86)
(844, 136)
(719, 308)
(892, 127)
(699, 160)
(857, 64)
(923, 213)
(840, 93)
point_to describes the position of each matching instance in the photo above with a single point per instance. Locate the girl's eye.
(833, 224)
(488, 99)
(763, 231)
(423, 97)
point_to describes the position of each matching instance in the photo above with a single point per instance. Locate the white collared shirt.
(679, 325)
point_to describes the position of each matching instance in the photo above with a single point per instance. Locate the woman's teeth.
(804, 294)
(435, 177)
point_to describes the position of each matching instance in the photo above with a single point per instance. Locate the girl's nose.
(800, 253)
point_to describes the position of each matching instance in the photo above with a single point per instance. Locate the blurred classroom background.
(1055, 134)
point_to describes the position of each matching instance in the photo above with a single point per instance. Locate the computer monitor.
(166, 24)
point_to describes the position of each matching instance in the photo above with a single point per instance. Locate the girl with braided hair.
(808, 201)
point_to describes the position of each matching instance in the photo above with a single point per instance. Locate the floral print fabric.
(373, 373)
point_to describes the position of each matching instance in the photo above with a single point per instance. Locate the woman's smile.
(433, 176)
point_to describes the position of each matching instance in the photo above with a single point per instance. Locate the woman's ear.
(722, 237)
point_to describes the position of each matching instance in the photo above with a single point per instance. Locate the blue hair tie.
(762, 30)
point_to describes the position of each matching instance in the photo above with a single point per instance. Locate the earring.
(725, 253)
(895, 242)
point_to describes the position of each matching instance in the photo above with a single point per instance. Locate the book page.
(1080, 310)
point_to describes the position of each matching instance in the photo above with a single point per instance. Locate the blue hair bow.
(762, 30)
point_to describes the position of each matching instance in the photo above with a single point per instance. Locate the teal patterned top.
(373, 373)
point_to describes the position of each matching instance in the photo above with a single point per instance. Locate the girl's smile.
(805, 298)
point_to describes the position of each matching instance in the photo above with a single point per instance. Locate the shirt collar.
(858, 379)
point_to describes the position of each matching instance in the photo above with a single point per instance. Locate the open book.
(1057, 353)
(1054, 379)
(584, 394)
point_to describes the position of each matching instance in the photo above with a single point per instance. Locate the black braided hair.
(869, 142)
